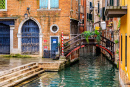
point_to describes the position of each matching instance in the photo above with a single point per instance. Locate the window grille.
(2, 4)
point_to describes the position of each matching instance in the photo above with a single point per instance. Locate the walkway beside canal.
(9, 63)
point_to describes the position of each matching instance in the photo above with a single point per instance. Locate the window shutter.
(103, 13)
(54, 3)
(117, 2)
(43, 3)
(111, 2)
(90, 4)
(126, 50)
(98, 7)
(89, 16)
(2, 4)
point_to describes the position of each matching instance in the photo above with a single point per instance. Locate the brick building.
(31, 26)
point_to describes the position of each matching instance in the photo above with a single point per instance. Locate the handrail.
(72, 38)
(80, 40)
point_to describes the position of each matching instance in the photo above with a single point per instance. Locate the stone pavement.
(9, 63)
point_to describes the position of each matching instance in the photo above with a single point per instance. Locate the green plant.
(116, 41)
(99, 16)
(66, 44)
(59, 44)
(117, 51)
(87, 34)
(119, 24)
(118, 64)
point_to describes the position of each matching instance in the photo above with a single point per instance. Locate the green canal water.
(90, 71)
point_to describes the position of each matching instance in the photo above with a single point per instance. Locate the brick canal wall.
(123, 78)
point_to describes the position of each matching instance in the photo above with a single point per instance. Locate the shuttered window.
(121, 47)
(126, 50)
(117, 2)
(98, 7)
(89, 16)
(50, 4)
(111, 2)
(2, 4)
(90, 4)
(103, 13)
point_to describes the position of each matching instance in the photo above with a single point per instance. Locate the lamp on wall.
(26, 15)
(103, 25)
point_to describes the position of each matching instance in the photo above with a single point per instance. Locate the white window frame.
(52, 30)
(5, 6)
(49, 6)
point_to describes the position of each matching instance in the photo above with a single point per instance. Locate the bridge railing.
(108, 44)
(80, 40)
(71, 44)
(77, 41)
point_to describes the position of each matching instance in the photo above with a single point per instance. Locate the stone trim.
(48, 9)
(52, 30)
(12, 27)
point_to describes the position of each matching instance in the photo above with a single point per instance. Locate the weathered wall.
(46, 18)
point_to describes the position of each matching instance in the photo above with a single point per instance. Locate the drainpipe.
(79, 14)
(86, 15)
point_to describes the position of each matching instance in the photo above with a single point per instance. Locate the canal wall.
(123, 78)
(107, 55)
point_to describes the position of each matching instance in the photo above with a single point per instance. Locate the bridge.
(79, 41)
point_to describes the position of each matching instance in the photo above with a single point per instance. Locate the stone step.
(17, 69)
(20, 76)
(5, 77)
(23, 79)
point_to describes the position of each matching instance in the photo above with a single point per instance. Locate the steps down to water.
(16, 75)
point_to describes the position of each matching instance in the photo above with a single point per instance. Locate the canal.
(90, 71)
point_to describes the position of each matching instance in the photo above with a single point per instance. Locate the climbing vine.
(119, 24)
(95, 33)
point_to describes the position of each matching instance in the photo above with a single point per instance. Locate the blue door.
(54, 44)
(4, 39)
(30, 38)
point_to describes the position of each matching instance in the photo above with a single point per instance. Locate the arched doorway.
(30, 37)
(4, 39)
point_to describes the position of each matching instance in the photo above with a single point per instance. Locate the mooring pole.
(62, 45)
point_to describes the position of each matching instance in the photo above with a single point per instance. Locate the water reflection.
(91, 71)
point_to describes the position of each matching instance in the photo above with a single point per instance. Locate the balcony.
(113, 9)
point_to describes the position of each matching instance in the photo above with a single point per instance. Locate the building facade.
(32, 26)
(124, 56)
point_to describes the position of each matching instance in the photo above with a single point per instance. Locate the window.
(49, 4)
(98, 7)
(121, 47)
(111, 2)
(3, 5)
(54, 28)
(126, 50)
(90, 5)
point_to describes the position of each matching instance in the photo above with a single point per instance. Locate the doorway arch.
(19, 35)
(30, 38)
